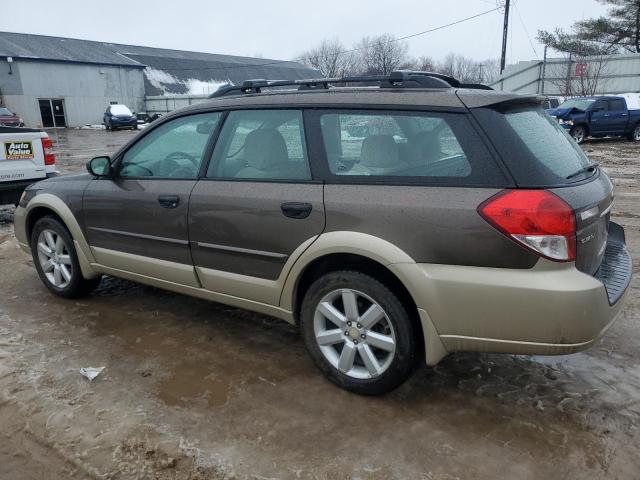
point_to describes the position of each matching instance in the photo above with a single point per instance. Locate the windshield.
(537, 151)
(579, 103)
(120, 110)
(4, 112)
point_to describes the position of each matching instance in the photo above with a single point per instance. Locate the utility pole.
(544, 70)
(505, 32)
(481, 77)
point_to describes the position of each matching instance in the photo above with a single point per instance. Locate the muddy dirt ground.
(196, 390)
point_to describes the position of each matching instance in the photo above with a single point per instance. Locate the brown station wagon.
(393, 219)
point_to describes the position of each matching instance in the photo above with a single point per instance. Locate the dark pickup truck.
(604, 116)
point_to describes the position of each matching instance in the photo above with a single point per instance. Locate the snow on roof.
(168, 83)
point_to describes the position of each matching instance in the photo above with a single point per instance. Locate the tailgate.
(21, 155)
(592, 202)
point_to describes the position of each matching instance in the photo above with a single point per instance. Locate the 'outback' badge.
(18, 150)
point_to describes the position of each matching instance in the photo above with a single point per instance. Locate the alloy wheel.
(354, 334)
(636, 134)
(54, 257)
(578, 135)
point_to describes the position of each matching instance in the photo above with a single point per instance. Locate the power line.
(524, 26)
(277, 62)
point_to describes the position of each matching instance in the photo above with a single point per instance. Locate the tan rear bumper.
(552, 309)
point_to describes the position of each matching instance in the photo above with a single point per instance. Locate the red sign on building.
(581, 70)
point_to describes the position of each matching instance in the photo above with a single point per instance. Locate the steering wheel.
(169, 163)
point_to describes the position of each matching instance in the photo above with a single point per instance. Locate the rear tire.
(634, 136)
(350, 310)
(56, 260)
(579, 134)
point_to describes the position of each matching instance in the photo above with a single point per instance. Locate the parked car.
(26, 156)
(119, 116)
(604, 116)
(550, 102)
(9, 119)
(144, 117)
(456, 219)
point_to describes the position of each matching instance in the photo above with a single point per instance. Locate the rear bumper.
(10, 192)
(551, 309)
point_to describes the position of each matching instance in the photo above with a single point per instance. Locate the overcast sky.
(282, 29)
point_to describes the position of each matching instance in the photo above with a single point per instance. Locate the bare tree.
(382, 54)
(585, 65)
(421, 64)
(578, 75)
(460, 67)
(331, 59)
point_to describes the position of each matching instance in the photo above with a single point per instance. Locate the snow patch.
(161, 79)
(199, 87)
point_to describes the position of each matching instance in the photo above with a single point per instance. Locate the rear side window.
(432, 147)
(617, 105)
(535, 148)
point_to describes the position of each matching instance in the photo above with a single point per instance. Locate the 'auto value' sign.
(18, 150)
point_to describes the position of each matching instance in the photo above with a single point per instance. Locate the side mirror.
(205, 128)
(99, 166)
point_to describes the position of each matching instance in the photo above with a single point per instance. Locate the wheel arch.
(585, 125)
(47, 204)
(370, 255)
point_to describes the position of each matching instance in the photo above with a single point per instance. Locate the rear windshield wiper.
(589, 168)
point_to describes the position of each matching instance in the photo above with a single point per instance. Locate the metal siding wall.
(86, 90)
(167, 103)
(621, 74)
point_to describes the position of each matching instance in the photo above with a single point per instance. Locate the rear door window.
(261, 144)
(617, 105)
(405, 146)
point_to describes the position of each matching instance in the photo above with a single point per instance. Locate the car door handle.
(168, 201)
(296, 210)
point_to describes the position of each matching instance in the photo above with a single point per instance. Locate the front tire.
(358, 333)
(56, 260)
(579, 134)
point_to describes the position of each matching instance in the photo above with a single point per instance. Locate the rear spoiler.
(480, 99)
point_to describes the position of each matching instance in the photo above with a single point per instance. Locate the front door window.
(172, 150)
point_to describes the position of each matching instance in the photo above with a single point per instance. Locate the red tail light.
(536, 219)
(47, 147)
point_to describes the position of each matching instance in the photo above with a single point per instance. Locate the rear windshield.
(4, 112)
(579, 103)
(537, 151)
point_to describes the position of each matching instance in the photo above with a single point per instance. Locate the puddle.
(194, 384)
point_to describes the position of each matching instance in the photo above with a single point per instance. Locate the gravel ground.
(196, 390)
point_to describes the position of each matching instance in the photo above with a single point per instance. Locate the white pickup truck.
(26, 156)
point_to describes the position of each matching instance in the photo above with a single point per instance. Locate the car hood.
(564, 112)
(60, 181)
